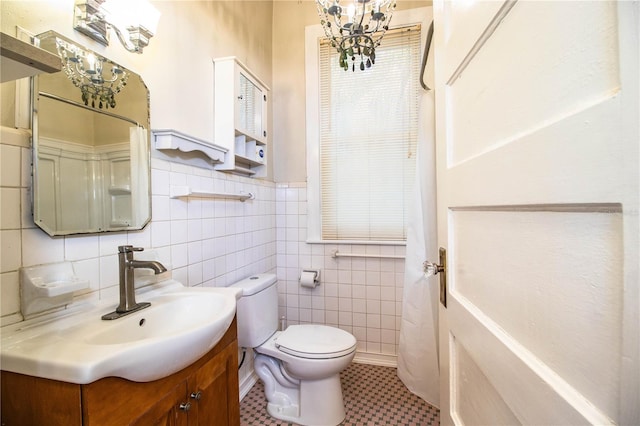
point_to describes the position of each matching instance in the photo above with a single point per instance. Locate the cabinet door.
(28, 400)
(214, 389)
(167, 411)
(116, 401)
(251, 116)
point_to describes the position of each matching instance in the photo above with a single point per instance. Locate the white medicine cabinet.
(240, 102)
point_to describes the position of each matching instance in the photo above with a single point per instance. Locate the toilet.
(299, 366)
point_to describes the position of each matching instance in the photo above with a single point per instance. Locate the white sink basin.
(180, 326)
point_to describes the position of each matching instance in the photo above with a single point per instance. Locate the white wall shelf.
(178, 191)
(21, 59)
(167, 139)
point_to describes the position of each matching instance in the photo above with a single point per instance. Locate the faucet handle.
(129, 249)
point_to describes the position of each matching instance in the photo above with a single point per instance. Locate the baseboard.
(376, 359)
(247, 384)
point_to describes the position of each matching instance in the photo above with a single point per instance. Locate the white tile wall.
(11, 174)
(13, 194)
(208, 242)
(360, 295)
(213, 242)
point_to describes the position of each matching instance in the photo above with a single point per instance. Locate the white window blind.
(368, 131)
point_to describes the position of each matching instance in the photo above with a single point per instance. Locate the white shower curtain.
(418, 349)
(139, 174)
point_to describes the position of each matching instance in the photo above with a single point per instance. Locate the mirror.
(91, 139)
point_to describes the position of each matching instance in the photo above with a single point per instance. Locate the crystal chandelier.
(86, 71)
(357, 31)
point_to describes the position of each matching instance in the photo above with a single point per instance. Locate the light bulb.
(91, 60)
(351, 11)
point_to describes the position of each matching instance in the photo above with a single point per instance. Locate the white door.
(538, 156)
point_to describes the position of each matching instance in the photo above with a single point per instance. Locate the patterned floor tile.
(373, 395)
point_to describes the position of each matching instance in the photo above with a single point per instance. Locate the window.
(362, 156)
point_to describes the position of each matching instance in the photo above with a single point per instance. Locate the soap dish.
(49, 286)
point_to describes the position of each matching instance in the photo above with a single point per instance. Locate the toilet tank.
(257, 309)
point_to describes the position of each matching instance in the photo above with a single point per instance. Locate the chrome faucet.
(127, 287)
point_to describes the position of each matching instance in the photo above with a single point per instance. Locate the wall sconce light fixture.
(134, 21)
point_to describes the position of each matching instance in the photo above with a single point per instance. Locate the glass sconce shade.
(134, 21)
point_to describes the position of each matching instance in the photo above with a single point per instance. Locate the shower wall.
(66, 170)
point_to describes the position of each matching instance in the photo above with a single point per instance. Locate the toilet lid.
(315, 341)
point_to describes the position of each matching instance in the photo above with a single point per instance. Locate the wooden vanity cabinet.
(205, 393)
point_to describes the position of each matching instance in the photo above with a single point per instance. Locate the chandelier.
(357, 31)
(86, 71)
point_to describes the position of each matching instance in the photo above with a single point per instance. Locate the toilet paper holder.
(305, 276)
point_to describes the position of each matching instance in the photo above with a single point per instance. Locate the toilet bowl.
(299, 366)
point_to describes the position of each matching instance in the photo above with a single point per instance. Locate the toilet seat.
(315, 341)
